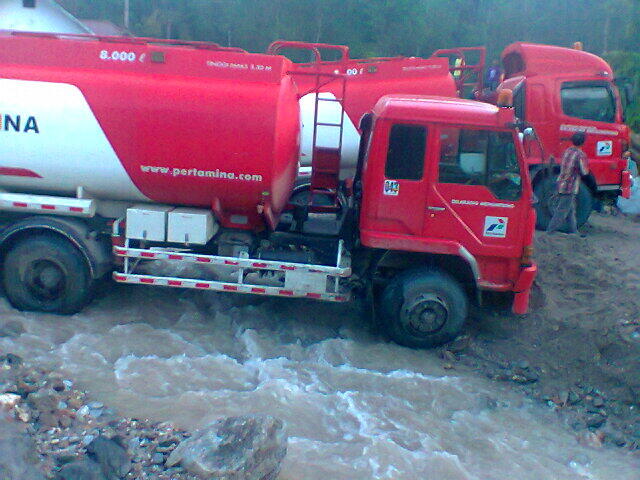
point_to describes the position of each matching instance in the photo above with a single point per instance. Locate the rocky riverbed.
(550, 395)
(49, 429)
(579, 349)
(63, 434)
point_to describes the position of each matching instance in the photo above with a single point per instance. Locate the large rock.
(84, 469)
(238, 448)
(45, 400)
(112, 457)
(8, 401)
(10, 360)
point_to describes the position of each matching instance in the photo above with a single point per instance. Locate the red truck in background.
(557, 91)
(119, 154)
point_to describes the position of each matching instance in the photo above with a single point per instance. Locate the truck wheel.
(545, 192)
(46, 274)
(423, 308)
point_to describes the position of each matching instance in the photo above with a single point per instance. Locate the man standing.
(574, 166)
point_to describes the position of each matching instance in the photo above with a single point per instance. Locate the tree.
(388, 27)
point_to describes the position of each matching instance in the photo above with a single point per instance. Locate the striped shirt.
(574, 165)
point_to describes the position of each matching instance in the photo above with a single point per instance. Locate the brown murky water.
(356, 406)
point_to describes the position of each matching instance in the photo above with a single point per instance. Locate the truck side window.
(407, 147)
(481, 157)
(589, 101)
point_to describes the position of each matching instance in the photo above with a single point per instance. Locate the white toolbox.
(191, 226)
(148, 222)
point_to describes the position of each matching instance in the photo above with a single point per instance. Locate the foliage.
(390, 27)
(627, 67)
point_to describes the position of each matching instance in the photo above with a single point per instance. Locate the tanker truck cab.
(560, 91)
(446, 207)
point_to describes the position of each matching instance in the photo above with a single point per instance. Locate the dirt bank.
(579, 350)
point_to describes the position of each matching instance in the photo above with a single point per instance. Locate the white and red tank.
(193, 124)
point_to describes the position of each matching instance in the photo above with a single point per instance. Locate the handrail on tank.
(319, 83)
(129, 40)
(460, 53)
(276, 47)
(462, 71)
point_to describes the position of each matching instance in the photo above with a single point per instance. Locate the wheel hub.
(45, 280)
(426, 315)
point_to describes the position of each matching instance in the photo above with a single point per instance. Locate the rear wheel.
(46, 273)
(545, 191)
(423, 308)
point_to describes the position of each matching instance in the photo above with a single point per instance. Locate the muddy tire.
(46, 273)
(545, 192)
(423, 309)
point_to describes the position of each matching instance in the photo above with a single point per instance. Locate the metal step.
(66, 206)
(298, 280)
(337, 125)
(227, 287)
(248, 263)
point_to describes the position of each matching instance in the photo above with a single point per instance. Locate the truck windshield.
(481, 157)
(589, 101)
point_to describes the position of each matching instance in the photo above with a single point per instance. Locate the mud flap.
(523, 290)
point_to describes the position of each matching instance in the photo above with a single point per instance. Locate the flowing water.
(356, 406)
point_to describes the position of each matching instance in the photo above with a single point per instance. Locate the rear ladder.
(326, 160)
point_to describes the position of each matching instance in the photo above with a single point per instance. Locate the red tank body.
(129, 119)
(372, 78)
(367, 80)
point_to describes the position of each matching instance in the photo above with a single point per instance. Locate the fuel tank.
(179, 123)
(357, 85)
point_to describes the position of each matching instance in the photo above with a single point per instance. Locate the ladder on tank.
(326, 160)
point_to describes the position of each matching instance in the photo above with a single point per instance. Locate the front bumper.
(523, 289)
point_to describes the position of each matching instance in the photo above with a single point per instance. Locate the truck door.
(476, 194)
(398, 183)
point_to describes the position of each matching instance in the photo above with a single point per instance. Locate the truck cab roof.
(531, 59)
(419, 108)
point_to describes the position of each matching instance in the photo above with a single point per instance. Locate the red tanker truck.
(119, 156)
(557, 91)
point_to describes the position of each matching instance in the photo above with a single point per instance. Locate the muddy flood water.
(356, 406)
